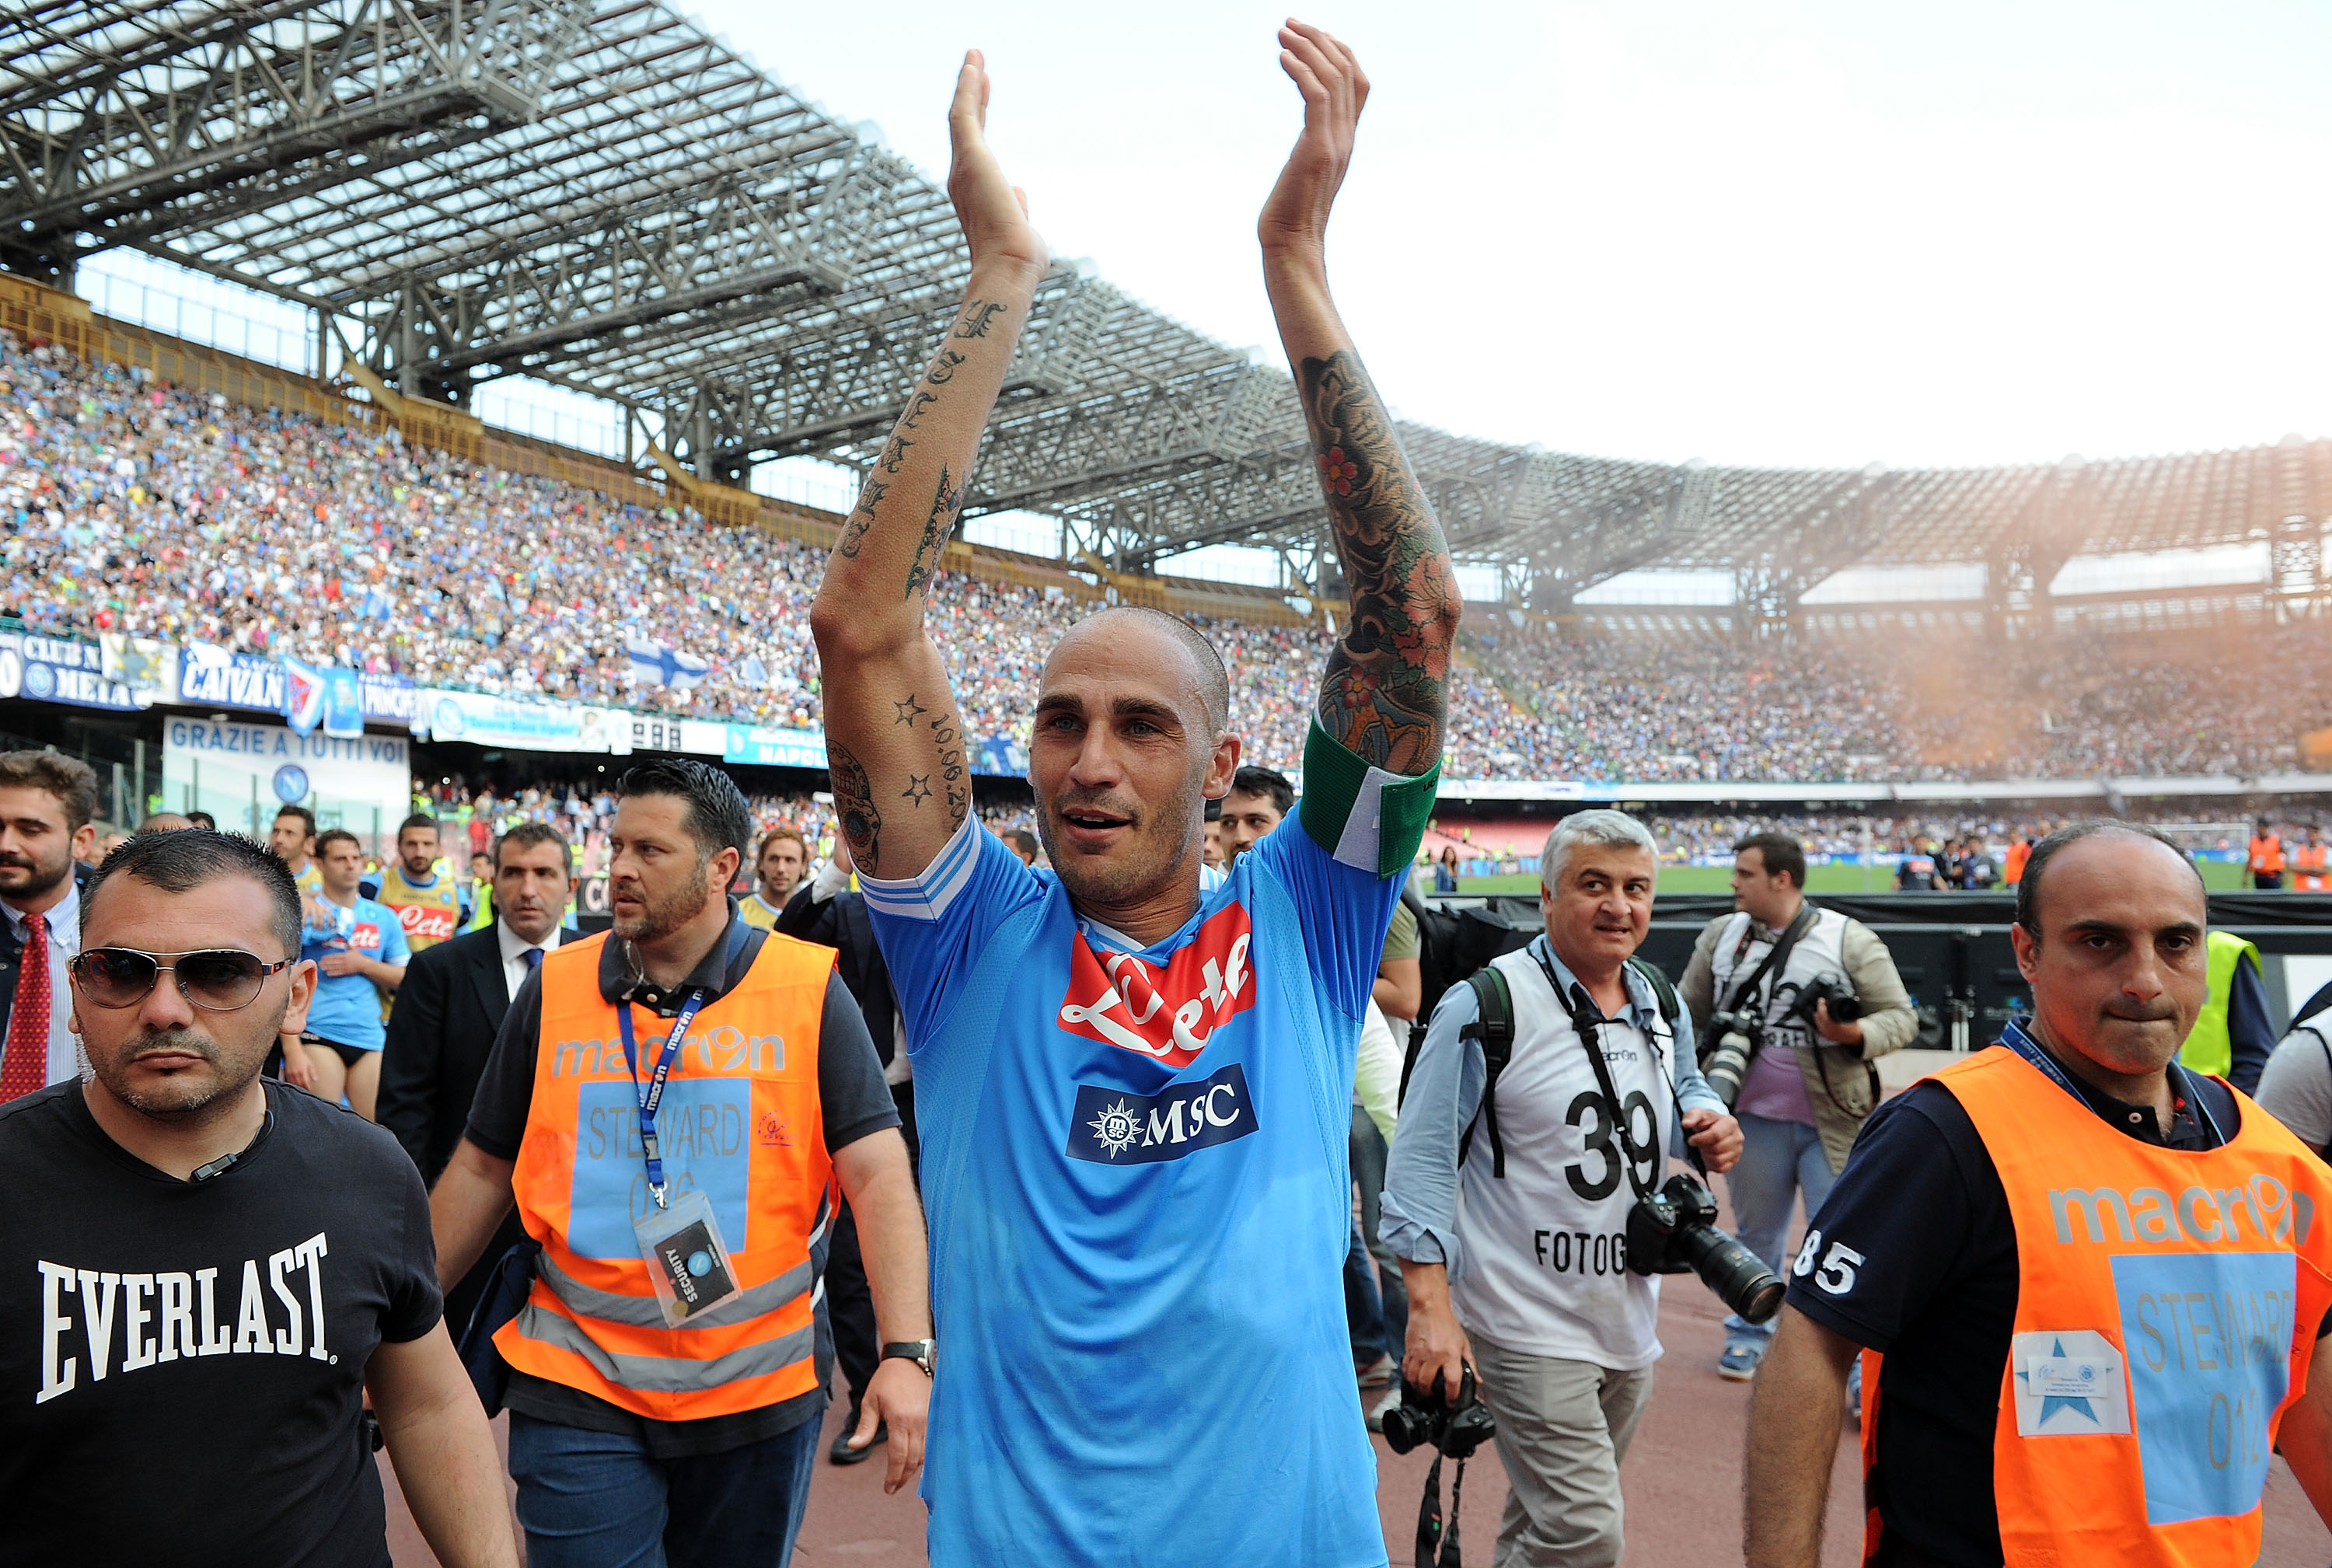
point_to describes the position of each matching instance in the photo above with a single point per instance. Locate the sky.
(1787, 233)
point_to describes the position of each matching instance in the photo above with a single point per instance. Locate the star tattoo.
(909, 710)
(918, 791)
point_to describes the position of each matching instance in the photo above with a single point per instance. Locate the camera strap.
(1778, 954)
(1586, 1020)
(1437, 1545)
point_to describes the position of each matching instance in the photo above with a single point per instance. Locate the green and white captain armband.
(1366, 817)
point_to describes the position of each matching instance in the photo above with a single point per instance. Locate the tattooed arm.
(893, 739)
(1383, 693)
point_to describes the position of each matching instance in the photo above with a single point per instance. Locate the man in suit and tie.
(449, 1010)
(47, 801)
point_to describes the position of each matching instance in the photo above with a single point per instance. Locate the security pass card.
(687, 1263)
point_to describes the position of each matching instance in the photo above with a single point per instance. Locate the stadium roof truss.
(599, 193)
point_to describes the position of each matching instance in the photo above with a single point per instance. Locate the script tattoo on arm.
(862, 516)
(1384, 694)
(976, 314)
(853, 801)
(947, 734)
(945, 504)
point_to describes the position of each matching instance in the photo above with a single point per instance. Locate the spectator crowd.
(131, 506)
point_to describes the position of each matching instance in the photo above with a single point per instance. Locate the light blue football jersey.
(1134, 1170)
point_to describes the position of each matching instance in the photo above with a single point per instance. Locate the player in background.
(430, 903)
(1134, 1083)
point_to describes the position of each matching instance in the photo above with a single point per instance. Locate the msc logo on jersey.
(1111, 1127)
(1167, 1014)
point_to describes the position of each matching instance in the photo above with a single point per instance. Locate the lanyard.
(651, 1095)
(2015, 1038)
(1586, 1020)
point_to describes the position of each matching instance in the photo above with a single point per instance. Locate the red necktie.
(24, 1058)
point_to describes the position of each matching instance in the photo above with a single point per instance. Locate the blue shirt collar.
(1643, 1008)
(2018, 1038)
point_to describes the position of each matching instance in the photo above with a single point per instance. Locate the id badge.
(687, 1263)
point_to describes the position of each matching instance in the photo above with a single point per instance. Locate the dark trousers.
(849, 1301)
(598, 1500)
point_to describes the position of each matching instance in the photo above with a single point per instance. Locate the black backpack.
(1494, 1026)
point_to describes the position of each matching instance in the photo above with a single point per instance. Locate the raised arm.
(1384, 694)
(894, 741)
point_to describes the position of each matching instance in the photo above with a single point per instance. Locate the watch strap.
(918, 1350)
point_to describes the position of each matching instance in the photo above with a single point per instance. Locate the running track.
(1682, 1481)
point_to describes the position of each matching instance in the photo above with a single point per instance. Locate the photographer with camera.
(1792, 1003)
(1548, 1091)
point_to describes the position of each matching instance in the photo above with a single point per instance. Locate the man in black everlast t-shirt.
(201, 1272)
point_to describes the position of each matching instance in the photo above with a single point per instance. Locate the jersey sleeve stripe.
(927, 896)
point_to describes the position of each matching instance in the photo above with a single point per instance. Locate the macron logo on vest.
(722, 1048)
(2203, 1214)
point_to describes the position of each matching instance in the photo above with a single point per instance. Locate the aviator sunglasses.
(220, 979)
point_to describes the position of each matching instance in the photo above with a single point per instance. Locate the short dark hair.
(718, 817)
(782, 830)
(332, 835)
(1268, 782)
(204, 820)
(1214, 676)
(419, 819)
(527, 833)
(179, 862)
(301, 812)
(1025, 841)
(2028, 890)
(73, 781)
(1779, 852)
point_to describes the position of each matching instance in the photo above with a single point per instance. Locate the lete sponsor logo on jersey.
(1111, 1127)
(429, 922)
(1168, 1014)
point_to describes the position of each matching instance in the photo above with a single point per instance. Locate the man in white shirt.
(451, 1007)
(46, 803)
(1527, 1281)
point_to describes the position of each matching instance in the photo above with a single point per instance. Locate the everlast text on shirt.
(106, 1324)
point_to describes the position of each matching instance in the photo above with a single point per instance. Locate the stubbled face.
(1123, 759)
(164, 1056)
(1602, 907)
(37, 850)
(417, 848)
(1247, 821)
(1764, 895)
(288, 839)
(2120, 971)
(341, 867)
(658, 879)
(781, 869)
(531, 889)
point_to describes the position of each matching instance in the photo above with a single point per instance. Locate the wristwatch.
(918, 1350)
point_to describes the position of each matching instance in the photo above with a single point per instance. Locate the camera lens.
(1726, 1066)
(1404, 1429)
(1738, 1275)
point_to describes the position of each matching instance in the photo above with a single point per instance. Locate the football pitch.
(2217, 875)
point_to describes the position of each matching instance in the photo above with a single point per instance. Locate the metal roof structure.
(601, 195)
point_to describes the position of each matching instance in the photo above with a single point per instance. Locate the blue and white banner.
(344, 717)
(770, 748)
(214, 676)
(487, 720)
(1000, 757)
(386, 698)
(63, 670)
(660, 665)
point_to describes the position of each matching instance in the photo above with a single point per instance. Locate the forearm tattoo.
(945, 504)
(1384, 692)
(854, 803)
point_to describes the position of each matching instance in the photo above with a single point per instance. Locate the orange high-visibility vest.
(2267, 854)
(2167, 1307)
(741, 1121)
(2308, 864)
(2012, 870)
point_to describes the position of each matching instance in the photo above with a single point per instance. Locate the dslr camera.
(1674, 1231)
(1455, 1427)
(1845, 1007)
(1738, 1035)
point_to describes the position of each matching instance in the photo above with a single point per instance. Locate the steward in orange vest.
(2307, 863)
(676, 1109)
(2088, 1285)
(2266, 858)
